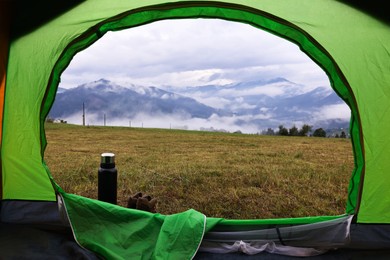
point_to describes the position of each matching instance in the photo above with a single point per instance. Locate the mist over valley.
(247, 107)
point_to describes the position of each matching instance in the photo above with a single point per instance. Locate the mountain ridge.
(245, 106)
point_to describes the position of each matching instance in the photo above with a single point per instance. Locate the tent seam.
(70, 223)
(201, 239)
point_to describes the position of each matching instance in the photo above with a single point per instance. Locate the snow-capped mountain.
(245, 106)
(119, 102)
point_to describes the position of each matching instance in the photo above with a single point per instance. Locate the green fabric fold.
(115, 232)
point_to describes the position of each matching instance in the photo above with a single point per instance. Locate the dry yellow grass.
(233, 176)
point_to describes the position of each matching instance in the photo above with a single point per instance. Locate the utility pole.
(104, 119)
(83, 115)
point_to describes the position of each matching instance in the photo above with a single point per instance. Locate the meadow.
(235, 176)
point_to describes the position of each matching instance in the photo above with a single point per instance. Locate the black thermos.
(107, 178)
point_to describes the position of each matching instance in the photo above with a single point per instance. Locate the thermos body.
(107, 179)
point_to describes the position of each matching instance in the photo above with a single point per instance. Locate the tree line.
(305, 130)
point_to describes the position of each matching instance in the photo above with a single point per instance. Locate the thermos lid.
(107, 158)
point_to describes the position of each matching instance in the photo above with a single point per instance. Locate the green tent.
(38, 219)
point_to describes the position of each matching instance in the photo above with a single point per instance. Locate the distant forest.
(306, 130)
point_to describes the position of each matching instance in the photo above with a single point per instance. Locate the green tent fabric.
(350, 44)
(119, 233)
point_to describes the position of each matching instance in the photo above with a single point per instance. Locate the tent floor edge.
(34, 230)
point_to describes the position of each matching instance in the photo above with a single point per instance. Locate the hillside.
(249, 107)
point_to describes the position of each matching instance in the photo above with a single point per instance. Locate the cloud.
(269, 90)
(338, 111)
(174, 121)
(247, 123)
(191, 52)
(198, 52)
(213, 101)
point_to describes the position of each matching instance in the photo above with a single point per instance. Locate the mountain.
(245, 106)
(274, 102)
(103, 97)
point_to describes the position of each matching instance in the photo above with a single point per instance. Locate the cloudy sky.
(192, 52)
(196, 52)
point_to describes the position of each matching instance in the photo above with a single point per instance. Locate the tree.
(305, 130)
(270, 131)
(343, 135)
(293, 131)
(49, 120)
(319, 132)
(282, 130)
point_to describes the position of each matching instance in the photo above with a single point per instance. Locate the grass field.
(234, 176)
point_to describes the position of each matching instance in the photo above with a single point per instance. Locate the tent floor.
(29, 242)
(340, 254)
